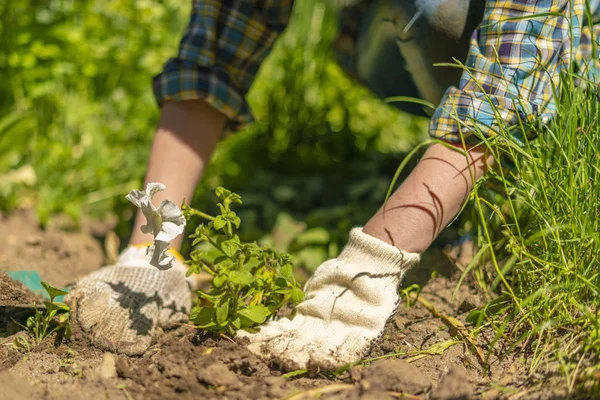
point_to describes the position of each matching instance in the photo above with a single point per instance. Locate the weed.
(21, 343)
(250, 282)
(537, 224)
(126, 393)
(53, 318)
(543, 240)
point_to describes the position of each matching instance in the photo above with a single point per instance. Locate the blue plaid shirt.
(514, 62)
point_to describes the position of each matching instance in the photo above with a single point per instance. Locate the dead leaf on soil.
(458, 326)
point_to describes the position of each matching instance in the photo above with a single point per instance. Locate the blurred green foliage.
(77, 116)
(76, 103)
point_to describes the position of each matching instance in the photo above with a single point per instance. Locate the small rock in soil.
(275, 386)
(454, 385)
(124, 369)
(218, 375)
(170, 368)
(107, 368)
(395, 376)
(33, 241)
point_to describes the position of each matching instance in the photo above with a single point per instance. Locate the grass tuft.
(537, 225)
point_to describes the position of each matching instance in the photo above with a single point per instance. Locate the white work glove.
(347, 303)
(121, 306)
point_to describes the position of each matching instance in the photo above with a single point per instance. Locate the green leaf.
(52, 291)
(257, 314)
(230, 246)
(235, 198)
(56, 306)
(494, 307)
(292, 374)
(297, 295)
(63, 319)
(236, 322)
(222, 193)
(475, 317)
(220, 259)
(222, 313)
(242, 278)
(68, 331)
(245, 322)
(62, 306)
(219, 280)
(286, 271)
(219, 223)
(203, 317)
(281, 282)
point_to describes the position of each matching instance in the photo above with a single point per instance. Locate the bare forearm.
(428, 199)
(185, 138)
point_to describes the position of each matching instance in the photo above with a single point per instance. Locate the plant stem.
(201, 214)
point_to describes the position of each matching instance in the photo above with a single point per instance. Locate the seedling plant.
(250, 282)
(55, 317)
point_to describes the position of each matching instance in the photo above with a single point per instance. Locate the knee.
(448, 16)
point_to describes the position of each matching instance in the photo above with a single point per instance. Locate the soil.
(60, 257)
(183, 365)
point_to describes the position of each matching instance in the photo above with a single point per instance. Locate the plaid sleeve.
(514, 63)
(588, 54)
(220, 53)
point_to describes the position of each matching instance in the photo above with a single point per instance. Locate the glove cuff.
(383, 258)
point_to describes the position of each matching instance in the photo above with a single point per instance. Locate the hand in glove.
(347, 303)
(121, 306)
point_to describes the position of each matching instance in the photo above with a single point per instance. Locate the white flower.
(165, 223)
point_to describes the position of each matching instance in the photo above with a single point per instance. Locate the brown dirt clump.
(14, 293)
(16, 302)
(396, 376)
(454, 385)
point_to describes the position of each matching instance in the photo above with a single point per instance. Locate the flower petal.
(173, 222)
(152, 188)
(153, 221)
(158, 255)
(143, 200)
(138, 198)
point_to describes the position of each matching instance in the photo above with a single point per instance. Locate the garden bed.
(183, 365)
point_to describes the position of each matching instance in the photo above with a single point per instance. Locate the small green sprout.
(54, 318)
(250, 282)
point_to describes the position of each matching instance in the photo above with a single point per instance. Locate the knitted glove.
(121, 306)
(347, 303)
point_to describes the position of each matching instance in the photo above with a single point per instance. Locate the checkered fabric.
(513, 67)
(514, 62)
(220, 53)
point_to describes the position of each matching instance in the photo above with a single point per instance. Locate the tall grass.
(538, 233)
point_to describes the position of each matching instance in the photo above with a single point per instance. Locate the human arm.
(183, 143)
(429, 198)
(204, 87)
